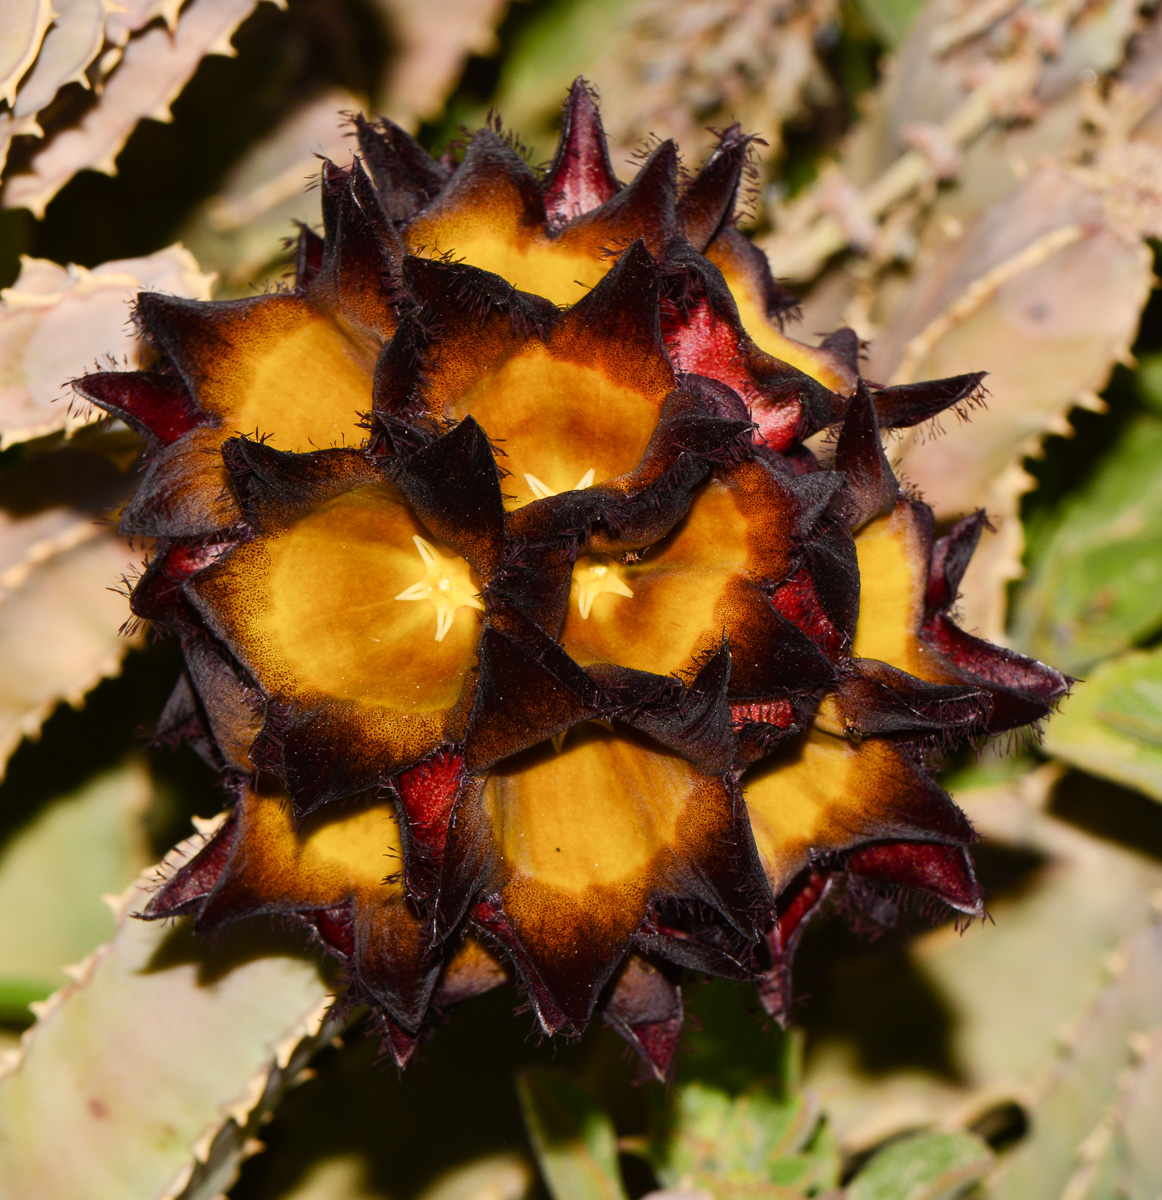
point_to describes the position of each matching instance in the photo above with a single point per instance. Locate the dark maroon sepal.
(772, 656)
(1023, 690)
(396, 393)
(308, 259)
(453, 487)
(881, 700)
(791, 406)
(183, 723)
(405, 175)
(644, 208)
(275, 486)
(159, 596)
(814, 494)
(392, 965)
(708, 202)
(821, 598)
(871, 487)
(704, 334)
(400, 1043)
(189, 886)
(707, 947)
(358, 278)
(726, 875)
(458, 299)
(721, 400)
(468, 865)
(622, 310)
(426, 795)
(335, 928)
(942, 870)
(490, 163)
(645, 1007)
(535, 578)
(187, 331)
(581, 176)
(796, 907)
(488, 919)
(156, 405)
(180, 495)
(950, 558)
(920, 809)
(694, 720)
(844, 343)
(233, 709)
(778, 303)
(907, 404)
(528, 690)
(315, 756)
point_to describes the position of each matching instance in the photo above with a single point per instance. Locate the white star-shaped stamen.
(446, 582)
(593, 576)
(542, 491)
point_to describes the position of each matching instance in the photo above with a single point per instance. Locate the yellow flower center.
(593, 576)
(446, 582)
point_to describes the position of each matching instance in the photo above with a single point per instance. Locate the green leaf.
(157, 1063)
(558, 41)
(1149, 380)
(1094, 587)
(738, 1123)
(890, 19)
(928, 1166)
(1112, 724)
(17, 993)
(54, 871)
(572, 1137)
(754, 1137)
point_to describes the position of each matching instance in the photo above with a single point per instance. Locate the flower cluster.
(527, 632)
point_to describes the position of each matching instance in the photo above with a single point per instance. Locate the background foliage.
(971, 184)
